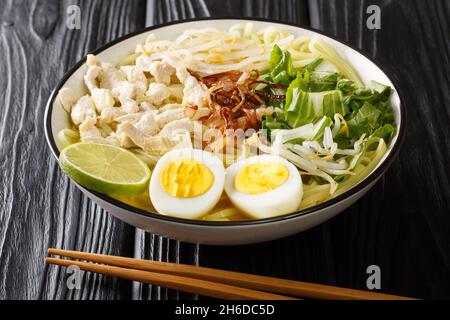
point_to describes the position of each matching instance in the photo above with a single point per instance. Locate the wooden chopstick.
(231, 278)
(197, 286)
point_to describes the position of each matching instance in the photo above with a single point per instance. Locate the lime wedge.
(105, 168)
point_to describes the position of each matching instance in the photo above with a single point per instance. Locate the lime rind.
(80, 161)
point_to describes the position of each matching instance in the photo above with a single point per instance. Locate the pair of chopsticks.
(210, 282)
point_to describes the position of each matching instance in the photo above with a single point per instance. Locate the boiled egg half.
(264, 186)
(187, 183)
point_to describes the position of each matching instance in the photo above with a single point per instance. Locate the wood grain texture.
(38, 205)
(402, 225)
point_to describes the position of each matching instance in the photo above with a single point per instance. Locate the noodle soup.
(238, 95)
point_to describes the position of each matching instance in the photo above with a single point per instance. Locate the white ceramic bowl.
(225, 233)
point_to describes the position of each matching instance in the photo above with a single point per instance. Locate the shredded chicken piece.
(177, 127)
(102, 98)
(131, 117)
(144, 121)
(168, 116)
(146, 106)
(68, 98)
(148, 124)
(88, 130)
(90, 133)
(155, 145)
(157, 93)
(109, 115)
(90, 78)
(125, 90)
(112, 78)
(170, 106)
(125, 83)
(84, 109)
(136, 76)
(92, 60)
(129, 105)
(197, 114)
(161, 71)
(194, 92)
(106, 84)
(125, 141)
(144, 62)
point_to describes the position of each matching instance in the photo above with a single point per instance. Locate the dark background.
(402, 225)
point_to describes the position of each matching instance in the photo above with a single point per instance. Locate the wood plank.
(160, 11)
(403, 225)
(39, 207)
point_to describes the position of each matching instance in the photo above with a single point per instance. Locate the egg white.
(187, 208)
(284, 199)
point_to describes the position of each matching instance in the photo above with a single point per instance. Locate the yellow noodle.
(142, 201)
(149, 159)
(314, 194)
(67, 137)
(362, 170)
(328, 53)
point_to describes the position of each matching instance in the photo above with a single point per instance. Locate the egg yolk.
(186, 178)
(261, 177)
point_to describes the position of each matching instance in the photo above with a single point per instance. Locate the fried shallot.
(232, 99)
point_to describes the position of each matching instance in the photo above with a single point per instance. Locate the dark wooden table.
(402, 225)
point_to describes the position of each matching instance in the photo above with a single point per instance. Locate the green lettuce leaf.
(273, 121)
(364, 120)
(387, 115)
(383, 92)
(313, 96)
(346, 86)
(385, 132)
(323, 81)
(373, 94)
(332, 103)
(369, 110)
(313, 65)
(303, 107)
(280, 63)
